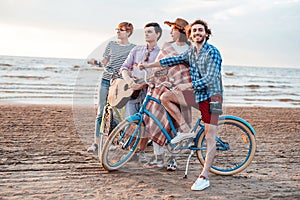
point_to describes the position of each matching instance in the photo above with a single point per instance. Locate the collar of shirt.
(142, 51)
(203, 49)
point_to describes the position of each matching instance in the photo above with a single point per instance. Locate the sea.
(37, 80)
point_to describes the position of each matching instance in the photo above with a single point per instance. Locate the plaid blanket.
(180, 74)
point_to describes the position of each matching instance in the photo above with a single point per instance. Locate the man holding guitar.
(146, 54)
(115, 54)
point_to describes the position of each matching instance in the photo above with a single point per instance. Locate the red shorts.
(203, 106)
(207, 117)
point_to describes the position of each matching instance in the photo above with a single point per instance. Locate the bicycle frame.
(144, 110)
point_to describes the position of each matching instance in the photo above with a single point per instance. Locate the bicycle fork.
(187, 163)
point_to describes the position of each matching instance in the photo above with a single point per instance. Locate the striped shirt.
(116, 54)
(205, 70)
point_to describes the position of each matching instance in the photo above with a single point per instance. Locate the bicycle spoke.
(121, 145)
(235, 148)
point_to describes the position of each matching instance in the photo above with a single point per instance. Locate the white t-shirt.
(180, 49)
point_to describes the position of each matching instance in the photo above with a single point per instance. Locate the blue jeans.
(103, 93)
(133, 106)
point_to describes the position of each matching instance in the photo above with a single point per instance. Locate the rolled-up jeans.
(102, 99)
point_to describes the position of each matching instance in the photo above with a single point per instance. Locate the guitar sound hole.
(126, 87)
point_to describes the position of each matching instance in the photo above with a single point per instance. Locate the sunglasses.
(147, 56)
(120, 29)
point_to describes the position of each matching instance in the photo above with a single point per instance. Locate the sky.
(247, 33)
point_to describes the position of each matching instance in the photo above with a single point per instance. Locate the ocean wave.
(25, 76)
(5, 65)
(256, 86)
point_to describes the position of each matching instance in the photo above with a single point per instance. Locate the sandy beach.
(43, 157)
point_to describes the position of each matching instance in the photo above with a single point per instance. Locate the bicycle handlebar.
(167, 84)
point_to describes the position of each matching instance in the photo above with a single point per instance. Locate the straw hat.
(179, 23)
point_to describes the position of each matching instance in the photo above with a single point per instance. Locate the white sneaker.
(181, 136)
(200, 184)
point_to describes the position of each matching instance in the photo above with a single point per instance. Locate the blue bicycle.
(235, 140)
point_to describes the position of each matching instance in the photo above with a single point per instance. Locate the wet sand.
(42, 156)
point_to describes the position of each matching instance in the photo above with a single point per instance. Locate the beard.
(200, 41)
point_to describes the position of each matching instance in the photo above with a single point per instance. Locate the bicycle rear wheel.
(121, 144)
(235, 146)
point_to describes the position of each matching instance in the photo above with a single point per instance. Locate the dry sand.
(42, 156)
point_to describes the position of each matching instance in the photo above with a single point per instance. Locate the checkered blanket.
(180, 74)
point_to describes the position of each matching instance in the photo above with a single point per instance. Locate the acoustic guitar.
(120, 92)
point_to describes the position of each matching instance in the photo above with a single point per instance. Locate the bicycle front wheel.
(121, 144)
(235, 146)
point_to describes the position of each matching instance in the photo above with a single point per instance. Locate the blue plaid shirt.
(205, 70)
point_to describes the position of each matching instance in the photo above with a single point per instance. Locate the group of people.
(197, 80)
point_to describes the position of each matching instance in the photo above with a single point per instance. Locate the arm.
(150, 65)
(105, 59)
(165, 62)
(125, 67)
(124, 70)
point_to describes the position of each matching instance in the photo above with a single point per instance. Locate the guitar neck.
(142, 80)
(155, 74)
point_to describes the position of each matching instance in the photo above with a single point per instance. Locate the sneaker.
(154, 163)
(172, 166)
(142, 157)
(200, 184)
(93, 148)
(181, 136)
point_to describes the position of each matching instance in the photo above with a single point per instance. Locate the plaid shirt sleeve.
(175, 60)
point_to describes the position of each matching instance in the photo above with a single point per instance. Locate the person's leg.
(131, 108)
(159, 158)
(144, 140)
(210, 131)
(158, 150)
(170, 100)
(102, 99)
(210, 136)
(202, 181)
